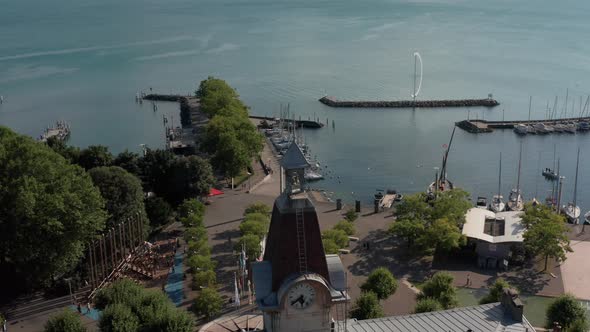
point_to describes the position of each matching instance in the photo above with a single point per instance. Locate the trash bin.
(357, 205)
(338, 204)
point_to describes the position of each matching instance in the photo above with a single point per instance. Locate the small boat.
(583, 126)
(587, 218)
(312, 175)
(531, 130)
(549, 174)
(399, 197)
(570, 127)
(497, 204)
(482, 202)
(540, 128)
(549, 129)
(520, 129)
(559, 128)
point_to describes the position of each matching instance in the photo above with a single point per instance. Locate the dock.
(387, 201)
(333, 102)
(61, 131)
(298, 123)
(484, 126)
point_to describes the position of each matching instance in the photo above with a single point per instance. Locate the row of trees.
(253, 229)
(430, 225)
(336, 238)
(230, 138)
(208, 303)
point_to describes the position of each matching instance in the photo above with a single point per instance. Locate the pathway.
(174, 285)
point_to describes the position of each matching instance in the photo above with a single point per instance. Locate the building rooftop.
(483, 318)
(294, 158)
(475, 226)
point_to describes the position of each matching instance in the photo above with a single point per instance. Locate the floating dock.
(333, 102)
(484, 126)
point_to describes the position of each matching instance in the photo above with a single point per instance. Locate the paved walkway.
(174, 285)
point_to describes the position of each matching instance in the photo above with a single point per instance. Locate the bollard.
(338, 204)
(376, 202)
(357, 205)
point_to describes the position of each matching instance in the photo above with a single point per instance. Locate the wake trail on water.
(96, 48)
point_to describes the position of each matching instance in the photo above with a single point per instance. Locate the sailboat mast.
(500, 176)
(443, 171)
(519, 163)
(576, 179)
(530, 102)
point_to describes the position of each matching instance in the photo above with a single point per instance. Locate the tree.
(177, 321)
(546, 233)
(407, 229)
(442, 234)
(155, 166)
(495, 294)
(208, 303)
(252, 244)
(191, 206)
(451, 205)
(204, 279)
(200, 263)
(118, 318)
(367, 307)
(122, 192)
(50, 210)
(338, 236)
(122, 291)
(231, 157)
(440, 287)
(427, 304)
(330, 247)
(381, 282)
(66, 321)
(351, 215)
(187, 177)
(72, 154)
(566, 310)
(129, 161)
(414, 207)
(158, 211)
(258, 207)
(95, 156)
(254, 227)
(345, 226)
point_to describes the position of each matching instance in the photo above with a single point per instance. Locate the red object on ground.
(215, 192)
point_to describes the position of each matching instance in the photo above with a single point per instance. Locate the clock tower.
(298, 287)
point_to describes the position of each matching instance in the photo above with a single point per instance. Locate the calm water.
(83, 61)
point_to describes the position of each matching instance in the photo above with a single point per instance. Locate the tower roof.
(294, 158)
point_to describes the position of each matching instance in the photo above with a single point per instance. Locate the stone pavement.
(575, 270)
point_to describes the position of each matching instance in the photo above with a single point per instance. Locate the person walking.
(79, 308)
(468, 279)
(88, 307)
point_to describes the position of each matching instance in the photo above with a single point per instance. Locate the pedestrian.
(468, 279)
(4, 328)
(88, 307)
(79, 308)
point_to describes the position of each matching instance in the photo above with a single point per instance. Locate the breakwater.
(160, 97)
(332, 102)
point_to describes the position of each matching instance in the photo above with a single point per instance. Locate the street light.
(69, 280)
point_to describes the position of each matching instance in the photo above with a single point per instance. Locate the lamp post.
(69, 281)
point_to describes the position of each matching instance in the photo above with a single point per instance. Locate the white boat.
(482, 202)
(558, 127)
(520, 129)
(530, 129)
(540, 128)
(312, 175)
(515, 201)
(572, 210)
(587, 218)
(497, 203)
(570, 127)
(549, 128)
(441, 183)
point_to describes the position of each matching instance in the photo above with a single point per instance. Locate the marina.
(525, 127)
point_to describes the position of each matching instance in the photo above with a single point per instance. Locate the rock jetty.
(487, 102)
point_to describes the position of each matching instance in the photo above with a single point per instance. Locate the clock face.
(301, 296)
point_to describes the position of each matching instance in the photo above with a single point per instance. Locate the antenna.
(417, 91)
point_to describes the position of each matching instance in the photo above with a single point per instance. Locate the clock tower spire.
(297, 284)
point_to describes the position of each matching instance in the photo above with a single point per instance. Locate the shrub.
(118, 318)
(367, 306)
(381, 282)
(330, 247)
(200, 263)
(258, 208)
(351, 215)
(427, 304)
(566, 310)
(495, 294)
(440, 287)
(66, 321)
(204, 279)
(338, 236)
(208, 303)
(345, 226)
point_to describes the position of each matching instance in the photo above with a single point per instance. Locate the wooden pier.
(484, 126)
(333, 102)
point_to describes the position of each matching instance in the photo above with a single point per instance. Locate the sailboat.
(515, 202)
(497, 204)
(571, 210)
(441, 183)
